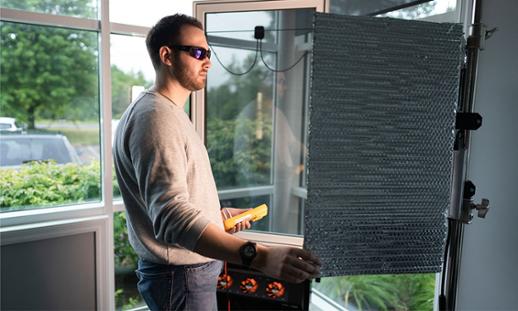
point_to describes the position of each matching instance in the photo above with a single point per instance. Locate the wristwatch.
(248, 251)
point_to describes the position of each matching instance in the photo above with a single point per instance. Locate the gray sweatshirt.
(165, 179)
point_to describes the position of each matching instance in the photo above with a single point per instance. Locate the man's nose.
(208, 63)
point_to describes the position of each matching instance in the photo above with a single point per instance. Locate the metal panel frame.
(198, 110)
(99, 225)
(364, 166)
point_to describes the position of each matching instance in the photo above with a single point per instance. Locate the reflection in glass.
(76, 8)
(239, 123)
(245, 23)
(50, 85)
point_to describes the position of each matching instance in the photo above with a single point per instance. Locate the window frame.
(78, 216)
(104, 29)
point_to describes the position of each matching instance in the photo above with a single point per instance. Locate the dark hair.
(166, 32)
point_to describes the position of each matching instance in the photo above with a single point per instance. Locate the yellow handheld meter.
(254, 214)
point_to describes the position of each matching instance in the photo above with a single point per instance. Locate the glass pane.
(50, 86)
(358, 7)
(380, 292)
(425, 10)
(146, 13)
(256, 106)
(246, 20)
(131, 69)
(239, 121)
(77, 8)
(126, 293)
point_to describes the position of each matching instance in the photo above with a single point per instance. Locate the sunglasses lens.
(198, 53)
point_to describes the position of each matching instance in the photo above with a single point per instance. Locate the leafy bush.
(125, 256)
(43, 184)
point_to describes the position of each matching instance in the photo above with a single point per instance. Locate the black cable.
(258, 50)
(237, 73)
(278, 70)
(272, 29)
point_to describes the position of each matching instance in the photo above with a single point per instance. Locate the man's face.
(190, 72)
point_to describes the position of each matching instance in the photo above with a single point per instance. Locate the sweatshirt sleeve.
(157, 146)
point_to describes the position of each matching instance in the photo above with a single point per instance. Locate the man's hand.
(229, 212)
(287, 263)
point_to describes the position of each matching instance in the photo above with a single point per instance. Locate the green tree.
(366, 292)
(402, 292)
(125, 256)
(415, 291)
(80, 8)
(48, 72)
(121, 88)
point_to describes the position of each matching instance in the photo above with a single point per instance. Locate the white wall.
(489, 266)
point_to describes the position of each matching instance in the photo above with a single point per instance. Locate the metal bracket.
(468, 205)
(468, 121)
(479, 35)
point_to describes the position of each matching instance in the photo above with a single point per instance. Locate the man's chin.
(198, 86)
(194, 86)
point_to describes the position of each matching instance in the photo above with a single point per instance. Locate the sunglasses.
(194, 51)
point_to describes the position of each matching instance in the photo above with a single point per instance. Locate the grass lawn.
(79, 136)
(76, 135)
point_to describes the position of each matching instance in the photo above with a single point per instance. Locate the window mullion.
(128, 30)
(43, 19)
(106, 297)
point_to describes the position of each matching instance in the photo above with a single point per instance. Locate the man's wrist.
(260, 259)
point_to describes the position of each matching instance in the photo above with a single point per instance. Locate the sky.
(129, 53)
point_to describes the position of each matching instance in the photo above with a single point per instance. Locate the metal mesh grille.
(382, 114)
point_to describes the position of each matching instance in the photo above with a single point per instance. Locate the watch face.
(249, 251)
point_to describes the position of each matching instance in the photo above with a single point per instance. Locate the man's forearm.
(216, 243)
(287, 263)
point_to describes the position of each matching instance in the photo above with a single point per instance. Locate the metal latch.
(468, 205)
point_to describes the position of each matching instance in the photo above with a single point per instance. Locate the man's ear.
(166, 55)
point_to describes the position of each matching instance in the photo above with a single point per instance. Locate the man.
(174, 220)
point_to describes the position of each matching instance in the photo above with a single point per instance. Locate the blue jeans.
(185, 287)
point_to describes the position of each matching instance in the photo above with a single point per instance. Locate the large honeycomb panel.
(382, 112)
